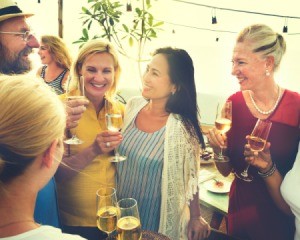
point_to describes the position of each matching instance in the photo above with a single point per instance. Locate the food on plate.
(206, 154)
(218, 183)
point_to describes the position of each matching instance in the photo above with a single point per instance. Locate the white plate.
(212, 187)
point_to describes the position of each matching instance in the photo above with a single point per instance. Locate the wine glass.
(75, 95)
(114, 122)
(257, 141)
(107, 209)
(223, 125)
(129, 224)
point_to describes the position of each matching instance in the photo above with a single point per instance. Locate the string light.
(128, 6)
(214, 17)
(285, 27)
(235, 10)
(214, 21)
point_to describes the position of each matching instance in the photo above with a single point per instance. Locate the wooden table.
(147, 235)
(216, 202)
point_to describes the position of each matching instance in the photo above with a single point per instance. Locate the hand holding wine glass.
(128, 225)
(114, 122)
(257, 141)
(107, 209)
(77, 94)
(223, 125)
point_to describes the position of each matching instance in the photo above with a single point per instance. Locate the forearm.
(273, 183)
(195, 206)
(72, 165)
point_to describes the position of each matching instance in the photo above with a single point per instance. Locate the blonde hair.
(58, 50)
(264, 41)
(90, 48)
(31, 118)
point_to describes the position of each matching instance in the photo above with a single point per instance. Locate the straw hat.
(9, 9)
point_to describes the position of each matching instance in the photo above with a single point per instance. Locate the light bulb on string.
(285, 27)
(128, 6)
(214, 17)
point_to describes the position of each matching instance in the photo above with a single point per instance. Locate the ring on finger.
(108, 144)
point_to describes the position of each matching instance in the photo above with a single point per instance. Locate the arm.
(273, 179)
(198, 228)
(72, 165)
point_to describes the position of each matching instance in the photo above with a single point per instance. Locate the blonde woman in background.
(57, 61)
(32, 122)
(89, 168)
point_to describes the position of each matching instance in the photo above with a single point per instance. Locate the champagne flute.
(129, 224)
(223, 125)
(114, 122)
(257, 142)
(107, 209)
(74, 95)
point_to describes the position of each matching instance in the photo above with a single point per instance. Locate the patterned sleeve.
(191, 165)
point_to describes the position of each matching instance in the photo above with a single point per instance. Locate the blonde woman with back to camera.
(32, 122)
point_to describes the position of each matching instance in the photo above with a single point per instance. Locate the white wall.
(212, 59)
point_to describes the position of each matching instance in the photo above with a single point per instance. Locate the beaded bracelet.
(269, 172)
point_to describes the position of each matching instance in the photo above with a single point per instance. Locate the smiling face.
(45, 54)
(248, 67)
(14, 51)
(98, 73)
(157, 83)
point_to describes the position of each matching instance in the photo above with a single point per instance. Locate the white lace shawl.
(180, 172)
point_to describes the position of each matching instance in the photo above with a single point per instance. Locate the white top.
(44, 233)
(181, 166)
(290, 189)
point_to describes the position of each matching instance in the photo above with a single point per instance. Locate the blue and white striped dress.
(139, 177)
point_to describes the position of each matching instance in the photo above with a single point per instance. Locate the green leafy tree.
(107, 15)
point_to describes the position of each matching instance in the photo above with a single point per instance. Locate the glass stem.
(245, 172)
(221, 151)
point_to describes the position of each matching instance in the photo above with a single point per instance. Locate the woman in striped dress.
(56, 61)
(161, 139)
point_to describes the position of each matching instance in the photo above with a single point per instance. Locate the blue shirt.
(46, 208)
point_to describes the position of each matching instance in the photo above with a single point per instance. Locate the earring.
(267, 72)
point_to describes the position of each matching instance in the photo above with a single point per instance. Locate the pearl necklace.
(272, 109)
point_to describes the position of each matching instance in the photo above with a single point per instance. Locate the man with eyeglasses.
(16, 41)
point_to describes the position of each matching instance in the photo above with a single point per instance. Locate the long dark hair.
(184, 100)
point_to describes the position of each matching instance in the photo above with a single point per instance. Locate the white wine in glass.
(257, 142)
(107, 209)
(223, 125)
(79, 94)
(129, 225)
(114, 122)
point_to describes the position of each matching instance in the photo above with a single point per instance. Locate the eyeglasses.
(25, 35)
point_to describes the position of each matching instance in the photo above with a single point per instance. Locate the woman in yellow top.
(86, 167)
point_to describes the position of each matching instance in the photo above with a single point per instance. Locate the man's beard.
(14, 63)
